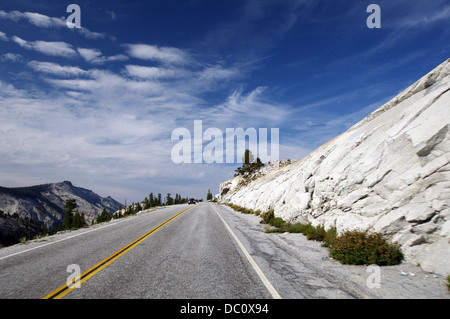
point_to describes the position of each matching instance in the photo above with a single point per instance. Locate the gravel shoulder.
(300, 268)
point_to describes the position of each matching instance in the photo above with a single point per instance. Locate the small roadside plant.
(352, 247)
(330, 236)
(316, 233)
(267, 217)
(364, 248)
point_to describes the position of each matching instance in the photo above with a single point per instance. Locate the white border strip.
(255, 266)
(60, 240)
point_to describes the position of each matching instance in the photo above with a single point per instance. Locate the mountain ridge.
(44, 205)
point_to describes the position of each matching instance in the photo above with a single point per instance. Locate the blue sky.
(97, 105)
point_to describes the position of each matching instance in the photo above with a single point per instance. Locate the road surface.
(202, 251)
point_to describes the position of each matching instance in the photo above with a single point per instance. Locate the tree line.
(150, 201)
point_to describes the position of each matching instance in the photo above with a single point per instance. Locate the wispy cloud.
(420, 14)
(252, 109)
(95, 56)
(251, 29)
(34, 18)
(3, 36)
(166, 55)
(87, 136)
(43, 21)
(11, 57)
(156, 73)
(64, 49)
(56, 69)
(46, 47)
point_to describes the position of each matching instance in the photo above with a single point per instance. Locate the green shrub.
(274, 230)
(364, 248)
(293, 228)
(300, 228)
(277, 222)
(267, 216)
(315, 233)
(330, 236)
(241, 209)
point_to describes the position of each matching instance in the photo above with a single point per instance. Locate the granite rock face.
(388, 173)
(45, 203)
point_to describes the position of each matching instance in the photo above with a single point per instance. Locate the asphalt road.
(192, 256)
(208, 251)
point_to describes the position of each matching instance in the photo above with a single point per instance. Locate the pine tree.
(248, 158)
(209, 195)
(146, 203)
(104, 216)
(159, 200)
(78, 220)
(169, 200)
(68, 216)
(151, 200)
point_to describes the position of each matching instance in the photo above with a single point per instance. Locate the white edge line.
(255, 266)
(57, 241)
(60, 240)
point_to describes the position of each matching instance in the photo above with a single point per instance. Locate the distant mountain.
(44, 204)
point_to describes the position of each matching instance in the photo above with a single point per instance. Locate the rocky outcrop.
(388, 173)
(44, 204)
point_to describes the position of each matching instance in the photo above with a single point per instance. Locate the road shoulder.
(300, 268)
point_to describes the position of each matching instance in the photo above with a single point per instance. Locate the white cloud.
(421, 14)
(219, 73)
(66, 136)
(43, 21)
(34, 18)
(11, 57)
(105, 123)
(252, 109)
(3, 36)
(48, 48)
(89, 54)
(155, 73)
(167, 55)
(56, 69)
(95, 56)
(90, 34)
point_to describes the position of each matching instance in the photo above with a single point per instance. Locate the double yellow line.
(66, 288)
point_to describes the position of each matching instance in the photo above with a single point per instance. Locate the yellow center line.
(65, 289)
